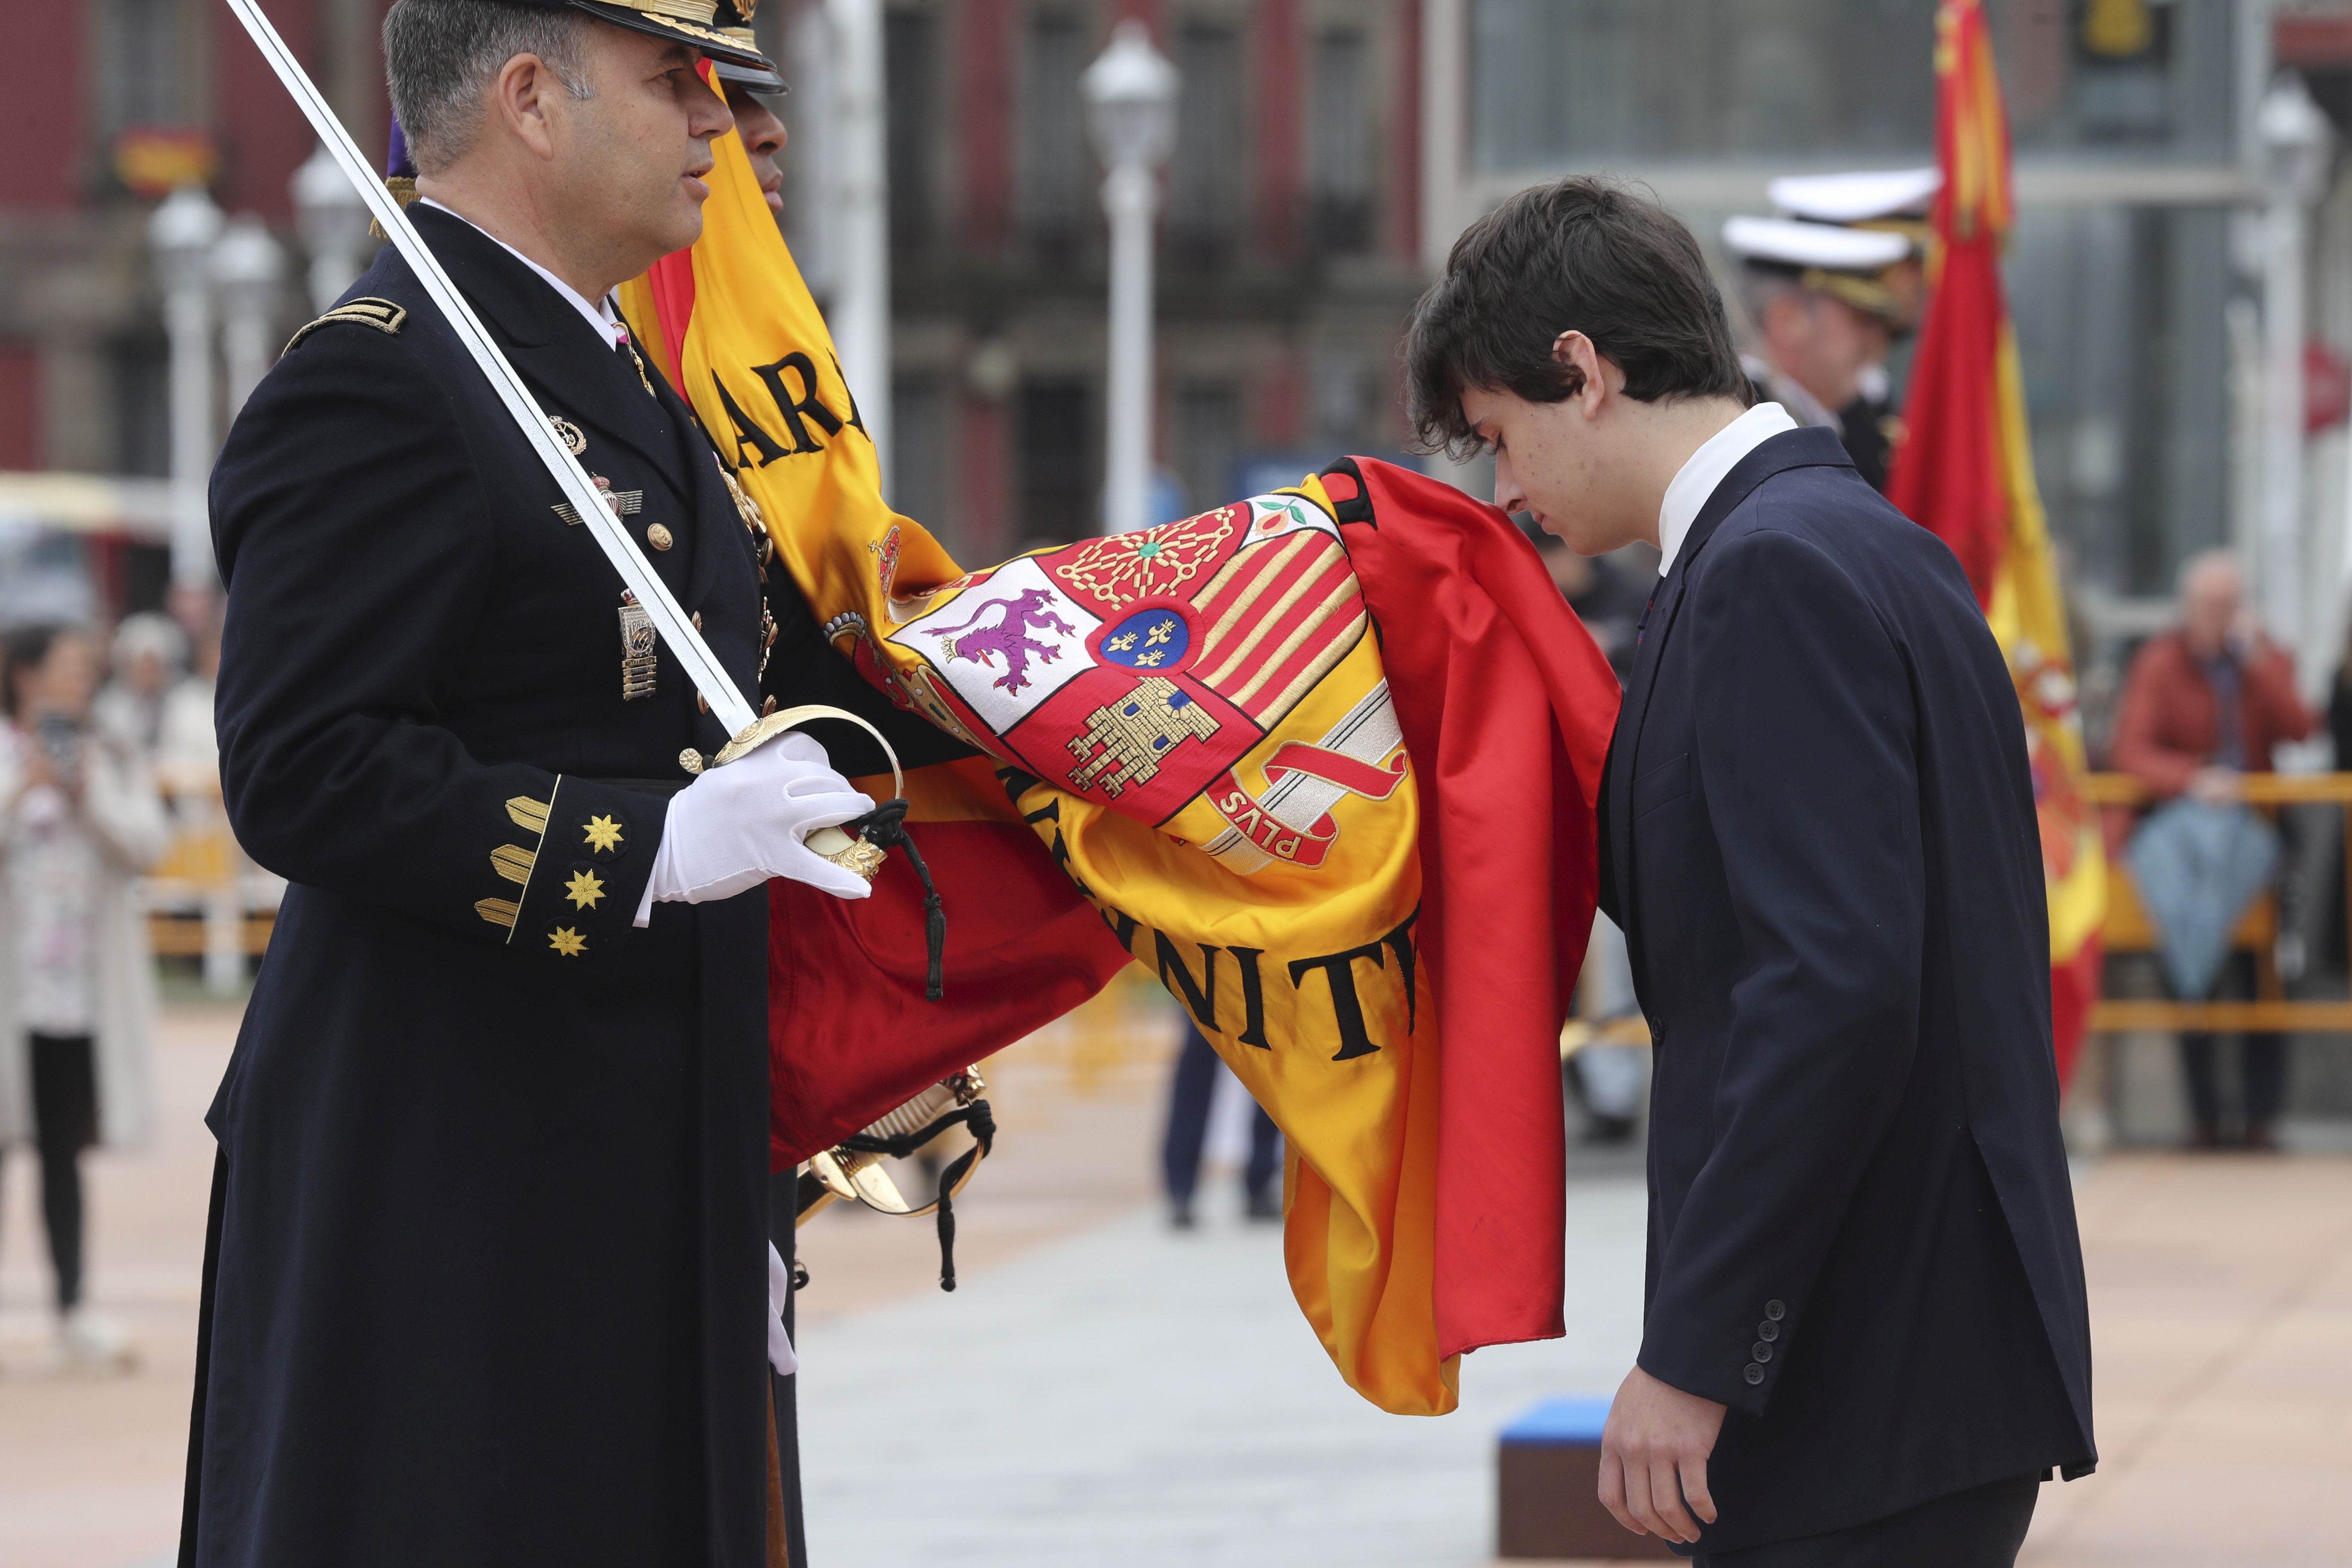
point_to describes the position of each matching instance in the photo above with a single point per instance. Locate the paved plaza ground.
(1107, 1393)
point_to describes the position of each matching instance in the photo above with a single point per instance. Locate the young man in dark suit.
(1865, 1339)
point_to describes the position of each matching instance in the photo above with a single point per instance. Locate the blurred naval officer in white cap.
(1883, 201)
(1826, 317)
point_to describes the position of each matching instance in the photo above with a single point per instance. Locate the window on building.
(1204, 177)
(908, 39)
(1590, 82)
(1054, 166)
(149, 71)
(1341, 169)
(1208, 444)
(140, 371)
(1056, 479)
(2127, 357)
(919, 452)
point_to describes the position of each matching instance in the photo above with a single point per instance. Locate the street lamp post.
(1130, 91)
(249, 268)
(328, 214)
(181, 233)
(2297, 145)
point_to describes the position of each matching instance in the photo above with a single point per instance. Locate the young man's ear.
(1583, 367)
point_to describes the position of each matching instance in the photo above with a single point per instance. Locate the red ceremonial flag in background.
(1965, 471)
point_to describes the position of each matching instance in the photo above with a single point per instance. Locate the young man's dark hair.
(1586, 253)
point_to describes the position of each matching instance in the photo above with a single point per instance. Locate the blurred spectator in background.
(187, 747)
(1605, 1045)
(150, 653)
(2203, 707)
(1191, 1092)
(79, 819)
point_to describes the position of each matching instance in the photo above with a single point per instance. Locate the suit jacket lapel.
(1807, 448)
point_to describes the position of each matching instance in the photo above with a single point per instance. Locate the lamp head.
(1130, 93)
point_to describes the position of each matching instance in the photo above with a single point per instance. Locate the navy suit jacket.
(1822, 849)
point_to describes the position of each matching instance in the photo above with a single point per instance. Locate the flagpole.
(701, 664)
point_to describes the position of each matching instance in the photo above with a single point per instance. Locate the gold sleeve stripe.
(513, 864)
(498, 911)
(529, 815)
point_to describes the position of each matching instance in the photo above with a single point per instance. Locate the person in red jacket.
(2203, 707)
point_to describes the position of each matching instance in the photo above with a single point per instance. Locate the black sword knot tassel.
(886, 827)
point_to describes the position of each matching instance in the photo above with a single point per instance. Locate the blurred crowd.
(107, 759)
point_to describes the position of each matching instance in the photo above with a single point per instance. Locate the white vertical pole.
(249, 266)
(1444, 108)
(183, 231)
(1445, 171)
(1129, 194)
(2282, 402)
(859, 245)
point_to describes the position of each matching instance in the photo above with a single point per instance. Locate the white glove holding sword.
(735, 828)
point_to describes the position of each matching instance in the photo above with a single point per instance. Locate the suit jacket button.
(1761, 1350)
(1768, 1331)
(659, 537)
(1774, 1310)
(1754, 1375)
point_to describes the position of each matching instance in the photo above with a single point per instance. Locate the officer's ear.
(521, 101)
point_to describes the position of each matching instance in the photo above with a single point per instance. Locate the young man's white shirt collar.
(601, 317)
(1695, 481)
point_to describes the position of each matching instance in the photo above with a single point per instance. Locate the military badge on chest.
(639, 660)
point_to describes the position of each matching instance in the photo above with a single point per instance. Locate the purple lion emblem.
(1006, 635)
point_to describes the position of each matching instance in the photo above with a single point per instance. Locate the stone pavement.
(1104, 1392)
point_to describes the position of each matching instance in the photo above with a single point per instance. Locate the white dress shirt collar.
(601, 317)
(1695, 481)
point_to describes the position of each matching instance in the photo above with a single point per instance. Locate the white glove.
(780, 1295)
(736, 827)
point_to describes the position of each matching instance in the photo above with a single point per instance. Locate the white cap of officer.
(1876, 195)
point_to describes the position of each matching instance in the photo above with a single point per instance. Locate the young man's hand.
(1653, 1455)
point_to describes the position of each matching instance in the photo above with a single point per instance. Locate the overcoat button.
(1768, 1331)
(698, 620)
(1754, 1375)
(1761, 1350)
(1774, 1310)
(702, 702)
(659, 537)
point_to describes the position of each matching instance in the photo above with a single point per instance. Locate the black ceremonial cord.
(886, 829)
(982, 1123)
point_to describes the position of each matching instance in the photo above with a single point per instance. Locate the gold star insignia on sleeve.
(567, 942)
(584, 889)
(604, 833)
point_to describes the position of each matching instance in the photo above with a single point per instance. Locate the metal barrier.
(2127, 928)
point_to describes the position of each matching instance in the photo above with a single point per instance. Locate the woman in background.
(80, 820)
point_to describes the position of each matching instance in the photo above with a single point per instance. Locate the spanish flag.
(1323, 761)
(1965, 470)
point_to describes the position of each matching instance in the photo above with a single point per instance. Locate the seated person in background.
(2204, 706)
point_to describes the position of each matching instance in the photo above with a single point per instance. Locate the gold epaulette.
(382, 314)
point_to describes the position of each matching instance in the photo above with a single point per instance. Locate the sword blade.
(709, 675)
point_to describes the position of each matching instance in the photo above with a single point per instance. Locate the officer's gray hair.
(441, 56)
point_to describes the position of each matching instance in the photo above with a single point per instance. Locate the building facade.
(1289, 249)
(104, 105)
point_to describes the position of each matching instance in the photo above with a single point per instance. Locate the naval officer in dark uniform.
(487, 1282)
(1828, 302)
